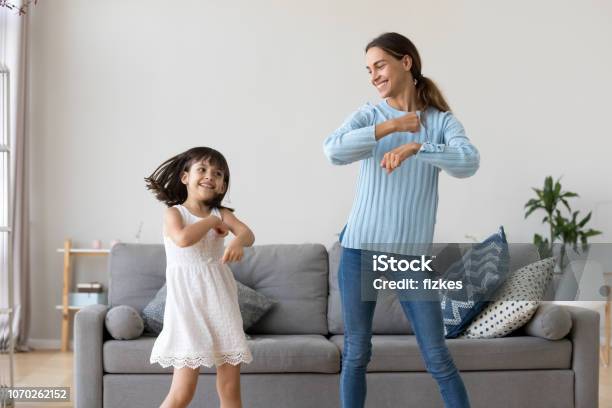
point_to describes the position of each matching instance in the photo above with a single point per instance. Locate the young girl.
(202, 321)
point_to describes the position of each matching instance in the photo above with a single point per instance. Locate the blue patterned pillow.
(482, 269)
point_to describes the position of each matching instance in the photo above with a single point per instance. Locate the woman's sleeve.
(354, 140)
(456, 156)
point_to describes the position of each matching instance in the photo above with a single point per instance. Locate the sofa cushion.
(124, 323)
(153, 312)
(516, 302)
(552, 322)
(402, 353)
(389, 317)
(137, 271)
(271, 354)
(294, 275)
(253, 305)
(482, 270)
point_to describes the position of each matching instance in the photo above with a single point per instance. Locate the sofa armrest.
(585, 356)
(88, 368)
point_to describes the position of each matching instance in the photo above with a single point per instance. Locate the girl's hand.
(233, 253)
(410, 122)
(222, 229)
(394, 158)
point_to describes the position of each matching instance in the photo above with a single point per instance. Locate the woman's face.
(389, 75)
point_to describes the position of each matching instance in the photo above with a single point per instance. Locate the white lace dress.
(202, 321)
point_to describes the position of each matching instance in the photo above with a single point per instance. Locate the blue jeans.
(426, 319)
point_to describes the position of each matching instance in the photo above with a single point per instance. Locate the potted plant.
(568, 231)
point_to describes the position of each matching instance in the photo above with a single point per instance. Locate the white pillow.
(516, 302)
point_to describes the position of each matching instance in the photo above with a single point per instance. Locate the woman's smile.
(381, 84)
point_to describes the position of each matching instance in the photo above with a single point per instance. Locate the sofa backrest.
(137, 272)
(389, 317)
(294, 275)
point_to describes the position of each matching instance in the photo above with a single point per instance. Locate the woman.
(403, 142)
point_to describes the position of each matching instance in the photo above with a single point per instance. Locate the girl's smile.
(204, 180)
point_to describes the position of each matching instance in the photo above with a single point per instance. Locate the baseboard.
(47, 344)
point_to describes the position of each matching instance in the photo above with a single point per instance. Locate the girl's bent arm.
(243, 234)
(184, 236)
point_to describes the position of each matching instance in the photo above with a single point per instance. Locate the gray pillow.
(124, 323)
(153, 313)
(253, 305)
(550, 321)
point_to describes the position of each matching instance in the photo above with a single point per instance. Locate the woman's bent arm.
(354, 140)
(456, 156)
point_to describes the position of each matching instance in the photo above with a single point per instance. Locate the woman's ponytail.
(429, 94)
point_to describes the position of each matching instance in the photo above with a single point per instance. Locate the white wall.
(116, 87)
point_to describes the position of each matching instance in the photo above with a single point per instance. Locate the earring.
(415, 81)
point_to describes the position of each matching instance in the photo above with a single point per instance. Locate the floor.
(54, 368)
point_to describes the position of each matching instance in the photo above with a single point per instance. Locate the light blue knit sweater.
(398, 208)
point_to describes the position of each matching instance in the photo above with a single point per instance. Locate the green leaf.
(591, 233)
(585, 220)
(569, 194)
(548, 182)
(566, 204)
(557, 189)
(533, 201)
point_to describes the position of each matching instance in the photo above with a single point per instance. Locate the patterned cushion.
(253, 305)
(482, 270)
(517, 301)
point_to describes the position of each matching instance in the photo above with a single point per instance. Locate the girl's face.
(203, 180)
(389, 75)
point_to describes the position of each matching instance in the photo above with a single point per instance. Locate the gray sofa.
(297, 346)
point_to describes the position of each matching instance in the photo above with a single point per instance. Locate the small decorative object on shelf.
(139, 232)
(89, 287)
(85, 299)
(88, 293)
(73, 301)
(96, 244)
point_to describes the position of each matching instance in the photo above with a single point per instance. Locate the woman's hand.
(410, 122)
(394, 158)
(233, 253)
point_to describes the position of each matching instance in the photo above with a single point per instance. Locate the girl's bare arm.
(184, 236)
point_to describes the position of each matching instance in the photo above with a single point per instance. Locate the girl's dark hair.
(398, 46)
(165, 181)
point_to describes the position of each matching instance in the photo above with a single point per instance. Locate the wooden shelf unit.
(66, 309)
